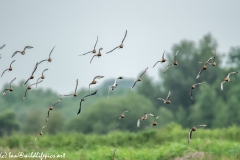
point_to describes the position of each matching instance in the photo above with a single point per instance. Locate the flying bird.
(167, 100)
(22, 52)
(162, 61)
(10, 88)
(32, 76)
(94, 81)
(144, 117)
(42, 77)
(214, 62)
(113, 157)
(204, 67)
(51, 108)
(83, 99)
(139, 78)
(9, 69)
(97, 55)
(227, 79)
(40, 133)
(172, 64)
(122, 116)
(75, 92)
(93, 51)
(114, 85)
(153, 124)
(194, 129)
(121, 45)
(193, 87)
(49, 58)
(28, 88)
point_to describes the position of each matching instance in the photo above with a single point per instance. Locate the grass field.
(154, 144)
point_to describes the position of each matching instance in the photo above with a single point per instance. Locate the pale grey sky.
(73, 26)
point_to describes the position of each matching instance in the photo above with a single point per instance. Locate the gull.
(114, 85)
(94, 81)
(122, 116)
(2, 46)
(153, 124)
(31, 77)
(204, 67)
(93, 51)
(193, 87)
(162, 61)
(83, 99)
(42, 77)
(227, 79)
(75, 92)
(121, 45)
(28, 88)
(144, 117)
(9, 69)
(10, 88)
(167, 100)
(139, 78)
(40, 133)
(113, 157)
(49, 58)
(194, 129)
(51, 108)
(98, 55)
(22, 52)
(172, 64)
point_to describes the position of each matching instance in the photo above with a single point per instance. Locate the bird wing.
(124, 36)
(25, 95)
(42, 61)
(156, 63)
(92, 58)
(126, 111)
(167, 67)
(4, 72)
(76, 86)
(2, 46)
(36, 83)
(199, 74)
(175, 56)
(4, 91)
(143, 72)
(231, 73)
(156, 118)
(12, 81)
(198, 83)
(57, 102)
(162, 99)
(91, 94)
(201, 125)
(85, 53)
(79, 108)
(26, 82)
(43, 127)
(208, 60)
(168, 97)
(163, 55)
(51, 52)
(12, 63)
(96, 43)
(150, 114)
(35, 68)
(48, 115)
(222, 85)
(138, 122)
(190, 135)
(16, 53)
(113, 49)
(44, 71)
(133, 85)
(97, 77)
(27, 47)
(191, 94)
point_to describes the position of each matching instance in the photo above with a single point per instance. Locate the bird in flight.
(28, 88)
(153, 124)
(167, 100)
(32, 76)
(93, 51)
(83, 99)
(227, 79)
(94, 81)
(51, 108)
(75, 92)
(162, 61)
(193, 87)
(114, 85)
(214, 57)
(172, 64)
(22, 52)
(121, 45)
(10, 88)
(49, 58)
(42, 77)
(122, 116)
(204, 67)
(9, 69)
(194, 129)
(144, 117)
(139, 78)
(40, 133)
(97, 55)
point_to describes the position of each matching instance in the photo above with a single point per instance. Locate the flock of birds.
(210, 61)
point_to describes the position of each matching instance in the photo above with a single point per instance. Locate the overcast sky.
(73, 26)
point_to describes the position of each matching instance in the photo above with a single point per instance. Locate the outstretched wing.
(126, 111)
(231, 73)
(27, 47)
(16, 53)
(124, 36)
(163, 54)
(92, 58)
(57, 102)
(4, 91)
(4, 72)
(12, 81)
(199, 73)
(91, 94)
(48, 115)
(189, 135)
(51, 52)
(2, 46)
(167, 67)
(12, 63)
(168, 97)
(198, 83)
(79, 111)
(42, 61)
(25, 95)
(143, 72)
(138, 122)
(35, 68)
(191, 94)
(162, 99)
(76, 86)
(113, 49)
(98, 77)
(133, 84)
(222, 85)
(96, 43)
(156, 63)
(175, 56)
